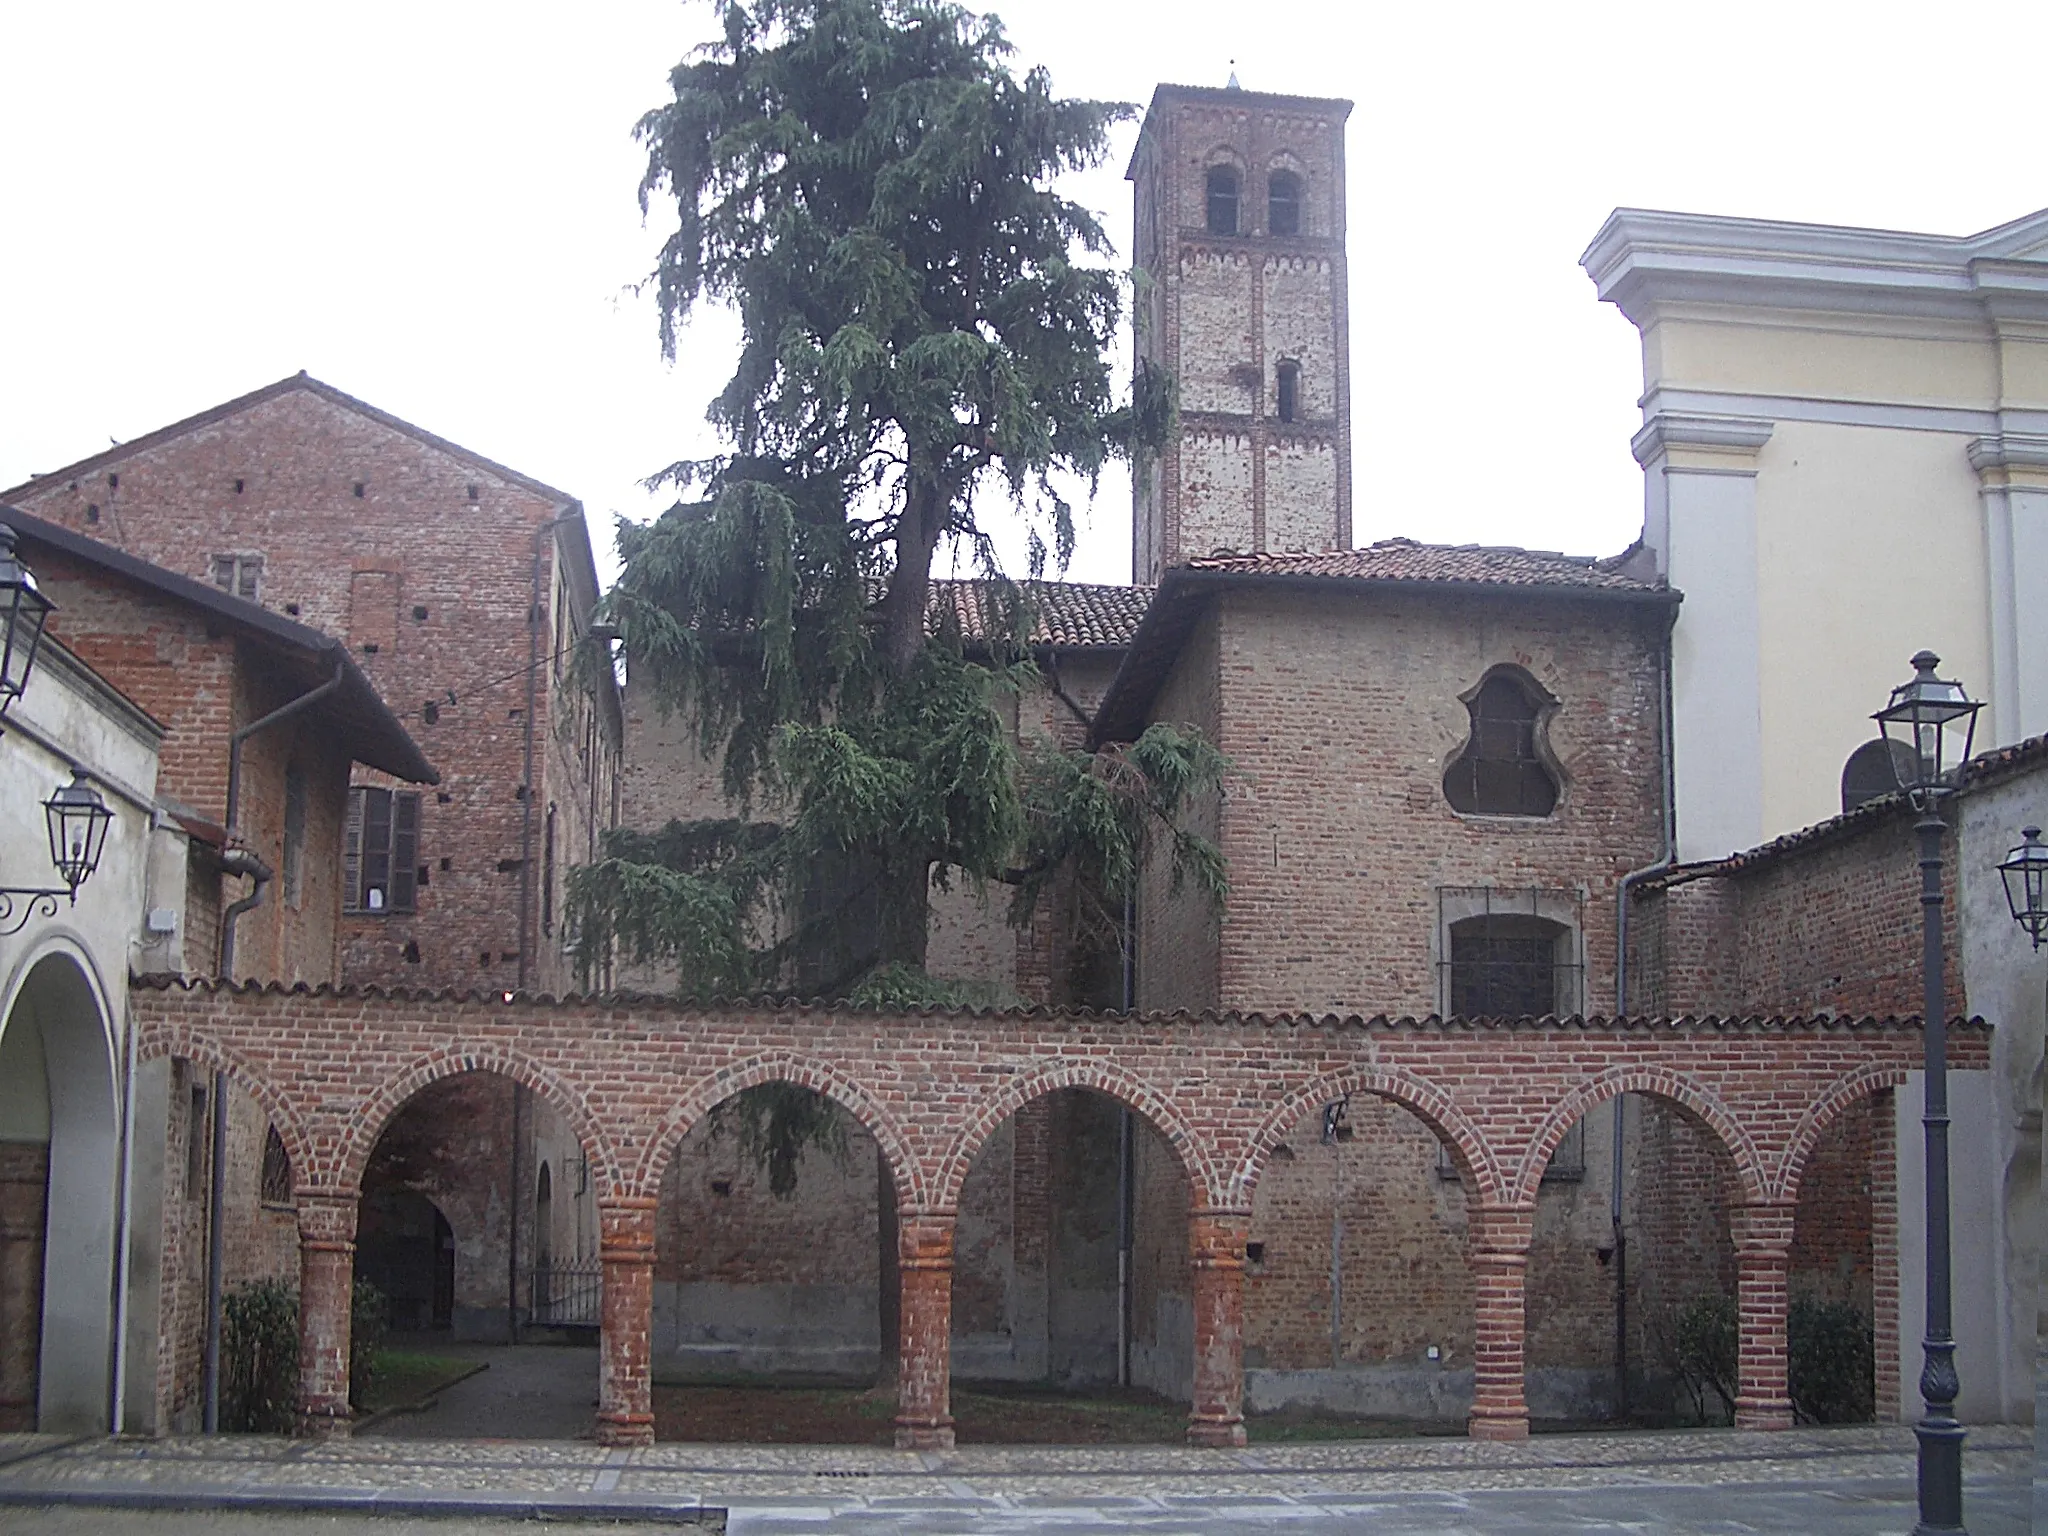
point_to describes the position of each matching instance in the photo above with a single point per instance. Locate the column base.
(1496, 1425)
(624, 1429)
(924, 1436)
(1217, 1434)
(1763, 1415)
(324, 1426)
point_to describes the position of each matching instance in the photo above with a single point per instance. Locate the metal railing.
(566, 1295)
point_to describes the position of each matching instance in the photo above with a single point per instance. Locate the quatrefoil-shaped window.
(1504, 769)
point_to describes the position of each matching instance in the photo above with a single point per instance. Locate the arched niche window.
(1873, 771)
(1507, 965)
(1222, 195)
(277, 1170)
(1502, 771)
(1287, 389)
(1283, 203)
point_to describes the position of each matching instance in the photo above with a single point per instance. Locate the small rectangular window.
(380, 850)
(239, 573)
(198, 1139)
(1288, 379)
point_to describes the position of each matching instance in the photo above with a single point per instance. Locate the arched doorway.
(405, 1247)
(59, 1149)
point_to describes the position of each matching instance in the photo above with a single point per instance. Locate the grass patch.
(405, 1376)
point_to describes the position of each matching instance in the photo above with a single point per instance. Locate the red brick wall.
(371, 534)
(1339, 714)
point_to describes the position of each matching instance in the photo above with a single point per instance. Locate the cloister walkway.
(631, 1076)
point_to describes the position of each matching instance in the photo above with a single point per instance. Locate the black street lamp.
(23, 608)
(1934, 722)
(2025, 872)
(78, 820)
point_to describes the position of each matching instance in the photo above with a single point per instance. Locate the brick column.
(1216, 1250)
(924, 1383)
(1497, 1248)
(1763, 1255)
(327, 1274)
(625, 1353)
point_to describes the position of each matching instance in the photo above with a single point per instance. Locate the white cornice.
(2009, 450)
(1641, 258)
(1723, 434)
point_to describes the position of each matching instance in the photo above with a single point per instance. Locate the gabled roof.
(356, 714)
(1393, 565)
(300, 382)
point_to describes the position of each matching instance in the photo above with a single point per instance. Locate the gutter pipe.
(1126, 1160)
(237, 861)
(1629, 881)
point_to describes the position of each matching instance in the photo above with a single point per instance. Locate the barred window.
(380, 851)
(1507, 965)
(277, 1169)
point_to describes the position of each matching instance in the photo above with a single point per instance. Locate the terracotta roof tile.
(1473, 564)
(1068, 615)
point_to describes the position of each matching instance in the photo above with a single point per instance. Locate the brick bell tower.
(1241, 298)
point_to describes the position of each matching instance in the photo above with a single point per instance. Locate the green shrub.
(1832, 1362)
(259, 1353)
(1702, 1344)
(259, 1386)
(369, 1317)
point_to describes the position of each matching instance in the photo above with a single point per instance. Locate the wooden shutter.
(405, 850)
(352, 854)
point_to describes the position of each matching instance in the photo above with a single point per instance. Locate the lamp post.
(1928, 725)
(23, 608)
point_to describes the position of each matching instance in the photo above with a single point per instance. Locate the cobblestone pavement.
(1848, 1480)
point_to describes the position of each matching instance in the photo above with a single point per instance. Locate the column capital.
(2010, 460)
(924, 1240)
(625, 1231)
(1499, 1233)
(1761, 1228)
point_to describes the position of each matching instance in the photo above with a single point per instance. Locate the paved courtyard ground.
(1834, 1482)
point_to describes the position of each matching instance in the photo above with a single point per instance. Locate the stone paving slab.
(1708, 1481)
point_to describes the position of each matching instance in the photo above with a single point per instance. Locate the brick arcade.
(631, 1077)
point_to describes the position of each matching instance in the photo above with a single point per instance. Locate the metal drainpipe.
(533, 622)
(236, 861)
(1629, 881)
(1126, 1149)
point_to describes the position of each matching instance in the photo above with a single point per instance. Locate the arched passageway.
(59, 1150)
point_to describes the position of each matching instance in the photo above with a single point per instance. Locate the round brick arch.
(1421, 1098)
(912, 1184)
(1658, 1083)
(1823, 1112)
(179, 1040)
(374, 1117)
(1134, 1093)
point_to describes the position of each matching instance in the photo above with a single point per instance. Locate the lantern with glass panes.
(2025, 872)
(1935, 722)
(23, 608)
(77, 820)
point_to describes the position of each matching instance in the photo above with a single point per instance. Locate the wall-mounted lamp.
(23, 608)
(2025, 872)
(78, 820)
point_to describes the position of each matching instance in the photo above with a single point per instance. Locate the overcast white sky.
(431, 205)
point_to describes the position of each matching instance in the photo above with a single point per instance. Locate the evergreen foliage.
(925, 325)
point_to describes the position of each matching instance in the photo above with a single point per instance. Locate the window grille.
(380, 850)
(1505, 952)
